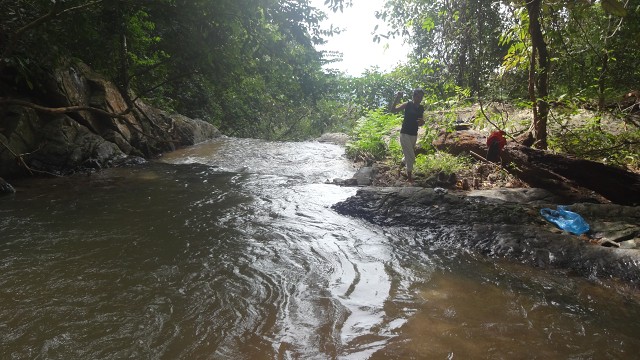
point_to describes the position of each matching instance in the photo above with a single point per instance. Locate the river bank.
(499, 216)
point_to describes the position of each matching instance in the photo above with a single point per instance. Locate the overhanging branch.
(75, 109)
(61, 110)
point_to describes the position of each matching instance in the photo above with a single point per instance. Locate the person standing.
(413, 119)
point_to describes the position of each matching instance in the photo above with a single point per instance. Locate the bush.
(440, 162)
(369, 136)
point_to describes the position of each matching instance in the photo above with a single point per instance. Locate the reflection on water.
(498, 315)
(229, 250)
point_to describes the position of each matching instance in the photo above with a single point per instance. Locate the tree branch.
(74, 109)
(61, 110)
(20, 160)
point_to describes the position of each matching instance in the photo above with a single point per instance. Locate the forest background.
(252, 68)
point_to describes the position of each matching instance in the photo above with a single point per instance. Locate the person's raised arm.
(393, 106)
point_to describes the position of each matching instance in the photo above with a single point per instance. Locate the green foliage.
(370, 134)
(590, 141)
(614, 7)
(442, 113)
(516, 37)
(333, 116)
(395, 149)
(142, 31)
(440, 162)
(591, 65)
(454, 41)
(375, 89)
(375, 137)
(248, 66)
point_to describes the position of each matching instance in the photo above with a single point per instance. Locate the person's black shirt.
(411, 115)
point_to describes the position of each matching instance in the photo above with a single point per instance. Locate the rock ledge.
(506, 223)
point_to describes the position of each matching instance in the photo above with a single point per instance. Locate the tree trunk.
(539, 50)
(123, 56)
(572, 178)
(602, 83)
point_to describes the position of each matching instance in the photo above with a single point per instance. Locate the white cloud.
(356, 41)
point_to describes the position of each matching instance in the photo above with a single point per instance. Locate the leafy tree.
(578, 45)
(248, 66)
(455, 42)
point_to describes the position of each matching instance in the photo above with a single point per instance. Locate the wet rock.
(345, 182)
(501, 224)
(130, 161)
(440, 191)
(188, 131)
(6, 188)
(630, 244)
(92, 164)
(71, 147)
(616, 231)
(523, 195)
(608, 243)
(364, 176)
(334, 138)
(117, 138)
(20, 135)
(86, 140)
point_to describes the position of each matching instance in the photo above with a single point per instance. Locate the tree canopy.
(252, 68)
(248, 66)
(575, 53)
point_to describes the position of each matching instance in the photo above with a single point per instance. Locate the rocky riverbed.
(506, 223)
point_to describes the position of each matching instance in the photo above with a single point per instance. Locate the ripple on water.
(230, 250)
(306, 162)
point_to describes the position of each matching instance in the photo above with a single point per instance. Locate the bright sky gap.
(356, 41)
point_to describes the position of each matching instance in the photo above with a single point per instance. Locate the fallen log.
(566, 176)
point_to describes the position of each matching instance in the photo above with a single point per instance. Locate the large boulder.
(19, 134)
(66, 146)
(63, 142)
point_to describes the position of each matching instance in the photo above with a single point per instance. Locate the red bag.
(495, 143)
(499, 137)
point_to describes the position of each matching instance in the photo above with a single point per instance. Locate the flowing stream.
(230, 250)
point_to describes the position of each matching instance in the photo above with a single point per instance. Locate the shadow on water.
(229, 250)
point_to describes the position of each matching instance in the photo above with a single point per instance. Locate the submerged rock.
(507, 226)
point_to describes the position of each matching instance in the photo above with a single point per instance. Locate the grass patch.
(441, 162)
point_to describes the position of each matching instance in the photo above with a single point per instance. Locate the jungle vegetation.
(251, 67)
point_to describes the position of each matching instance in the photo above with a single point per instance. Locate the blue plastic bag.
(566, 220)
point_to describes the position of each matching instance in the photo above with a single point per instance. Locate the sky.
(356, 41)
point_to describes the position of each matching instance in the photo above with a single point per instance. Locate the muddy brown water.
(230, 250)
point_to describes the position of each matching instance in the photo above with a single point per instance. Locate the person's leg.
(408, 143)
